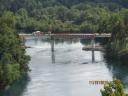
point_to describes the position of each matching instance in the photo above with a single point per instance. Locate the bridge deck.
(70, 35)
(81, 35)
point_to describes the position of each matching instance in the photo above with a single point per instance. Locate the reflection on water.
(16, 89)
(53, 57)
(66, 70)
(119, 71)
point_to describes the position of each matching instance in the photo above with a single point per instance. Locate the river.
(65, 71)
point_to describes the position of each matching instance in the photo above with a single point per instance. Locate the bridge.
(54, 36)
(91, 48)
(80, 35)
(69, 35)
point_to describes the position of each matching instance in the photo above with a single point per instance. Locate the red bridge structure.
(65, 35)
(72, 35)
(80, 35)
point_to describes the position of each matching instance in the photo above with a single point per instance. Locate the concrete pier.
(52, 43)
(96, 48)
(52, 49)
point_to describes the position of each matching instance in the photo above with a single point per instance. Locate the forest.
(61, 15)
(13, 60)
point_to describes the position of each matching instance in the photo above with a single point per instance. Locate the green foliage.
(13, 61)
(117, 24)
(114, 88)
(88, 27)
(12, 72)
(83, 15)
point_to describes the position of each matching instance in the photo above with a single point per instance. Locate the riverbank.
(112, 53)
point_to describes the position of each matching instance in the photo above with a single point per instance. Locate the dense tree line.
(117, 24)
(13, 61)
(60, 15)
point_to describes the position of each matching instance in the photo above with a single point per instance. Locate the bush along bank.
(114, 88)
(13, 60)
(117, 47)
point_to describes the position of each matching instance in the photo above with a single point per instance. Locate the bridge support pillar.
(52, 43)
(93, 52)
(52, 50)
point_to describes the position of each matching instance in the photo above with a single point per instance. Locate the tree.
(114, 88)
(21, 19)
(13, 61)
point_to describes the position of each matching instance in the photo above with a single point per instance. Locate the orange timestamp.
(99, 82)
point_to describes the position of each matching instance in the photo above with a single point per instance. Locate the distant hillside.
(61, 15)
(31, 4)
